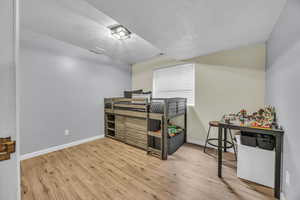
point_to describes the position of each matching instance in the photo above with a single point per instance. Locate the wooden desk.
(278, 149)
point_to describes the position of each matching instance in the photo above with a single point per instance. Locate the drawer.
(120, 133)
(135, 132)
(120, 119)
(120, 138)
(139, 124)
(137, 137)
(137, 143)
(120, 127)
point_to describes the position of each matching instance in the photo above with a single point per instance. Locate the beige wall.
(225, 82)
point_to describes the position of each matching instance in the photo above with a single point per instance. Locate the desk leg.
(278, 166)
(225, 139)
(220, 152)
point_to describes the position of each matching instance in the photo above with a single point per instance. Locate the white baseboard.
(282, 196)
(195, 141)
(60, 147)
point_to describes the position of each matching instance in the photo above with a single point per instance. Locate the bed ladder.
(160, 153)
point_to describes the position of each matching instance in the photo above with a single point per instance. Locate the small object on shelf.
(173, 130)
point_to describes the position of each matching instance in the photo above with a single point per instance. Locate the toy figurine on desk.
(243, 116)
(264, 118)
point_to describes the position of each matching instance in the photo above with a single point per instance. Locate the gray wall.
(62, 87)
(8, 169)
(283, 89)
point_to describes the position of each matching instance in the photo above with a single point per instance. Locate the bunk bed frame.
(128, 120)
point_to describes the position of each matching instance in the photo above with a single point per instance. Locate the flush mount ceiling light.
(120, 32)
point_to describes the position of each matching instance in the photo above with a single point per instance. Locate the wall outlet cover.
(287, 178)
(67, 132)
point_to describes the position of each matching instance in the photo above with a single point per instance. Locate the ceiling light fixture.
(120, 32)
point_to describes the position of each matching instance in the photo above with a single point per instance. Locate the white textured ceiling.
(187, 28)
(79, 23)
(179, 28)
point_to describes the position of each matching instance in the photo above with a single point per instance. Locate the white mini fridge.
(255, 164)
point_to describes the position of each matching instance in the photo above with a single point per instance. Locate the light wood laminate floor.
(107, 169)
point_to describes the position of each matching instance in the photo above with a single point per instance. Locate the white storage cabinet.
(255, 164)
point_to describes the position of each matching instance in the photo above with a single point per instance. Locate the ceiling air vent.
(97, 50)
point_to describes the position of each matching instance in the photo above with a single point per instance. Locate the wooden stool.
(224, 141)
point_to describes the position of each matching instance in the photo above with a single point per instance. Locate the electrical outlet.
(67, 132)
(287, 178)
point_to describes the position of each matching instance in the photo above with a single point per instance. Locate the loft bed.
(147, 123)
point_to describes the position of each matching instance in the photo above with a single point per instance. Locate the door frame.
(16, 51)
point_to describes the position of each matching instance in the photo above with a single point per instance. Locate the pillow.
(144, 95)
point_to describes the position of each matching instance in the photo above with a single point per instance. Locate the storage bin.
(248, 139)
(266, 142)
(175, 142)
